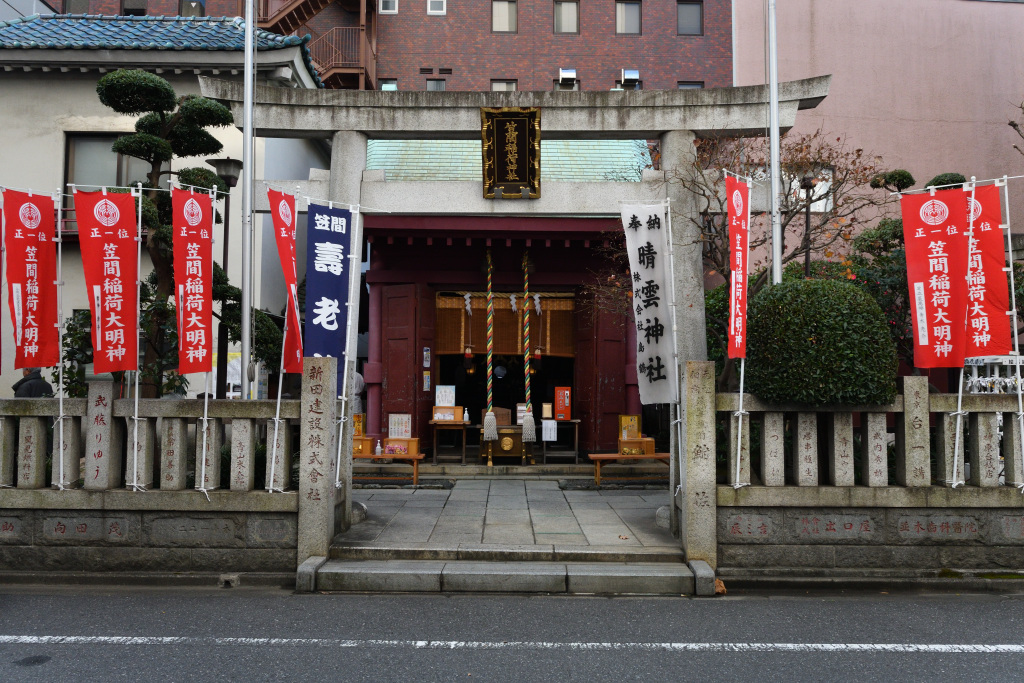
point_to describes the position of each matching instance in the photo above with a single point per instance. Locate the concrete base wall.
(870, 538)
(147, 532)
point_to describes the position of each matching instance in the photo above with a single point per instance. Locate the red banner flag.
(282, 208)
(737, 193)
(192, 223)
(934, 229)
(31, 278)
(107, 231)
(988, 295)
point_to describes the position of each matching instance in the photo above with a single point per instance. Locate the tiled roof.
(94, 32)
(561, 160)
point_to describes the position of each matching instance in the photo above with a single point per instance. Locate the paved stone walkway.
(509, 512)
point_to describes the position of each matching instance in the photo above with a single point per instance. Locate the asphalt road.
(112, 634)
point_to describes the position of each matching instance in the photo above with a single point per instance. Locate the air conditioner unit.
(567, 76)
(630, 76)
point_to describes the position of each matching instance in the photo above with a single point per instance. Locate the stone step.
(490, 552)
(603, 578)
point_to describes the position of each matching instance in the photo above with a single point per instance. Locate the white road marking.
(938, 648)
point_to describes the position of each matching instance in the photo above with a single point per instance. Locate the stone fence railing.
(851, 488)
(989, 434)
(99, 443)
(132, 506)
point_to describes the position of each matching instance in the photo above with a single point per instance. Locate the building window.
(192, 8)
(437, 6)
(387, 83)
(503, 86)
(690, 85)
(133, 8)
(567, 17)
(629, 85)
(388, 7)
(435, 84)
(90, 164)
(567, 85)
(504, 18)
(690, 18)
(627, 17)
(76, 6)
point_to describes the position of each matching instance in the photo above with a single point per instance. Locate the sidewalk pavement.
(509, 512)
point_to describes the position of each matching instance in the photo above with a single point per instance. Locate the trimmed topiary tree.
(819, 342)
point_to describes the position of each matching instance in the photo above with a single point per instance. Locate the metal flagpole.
(773, 125)
(277, 412)
(355, 259)
(138, 317)
(60, 337)
(206, 417)
(247, 175)
(960, 389)
(678, 419)
(1013, 323)
(739, 428)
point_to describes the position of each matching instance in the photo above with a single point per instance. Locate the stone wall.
(870, 538)
(153, 531)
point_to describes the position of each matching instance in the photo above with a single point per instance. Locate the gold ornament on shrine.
(511, 152)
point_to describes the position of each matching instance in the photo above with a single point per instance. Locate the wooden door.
(398, 352)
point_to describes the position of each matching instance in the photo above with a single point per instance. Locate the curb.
(895, 584)
(151, 579)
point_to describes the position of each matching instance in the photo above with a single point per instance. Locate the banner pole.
(277, 413)
(138, 318)
(58, 200)
(355, 259)
(739, 429)
(206, 414)
(675, 339)
(956, 443)
(1013, 324)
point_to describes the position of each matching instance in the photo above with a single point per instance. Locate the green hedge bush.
(819, 342)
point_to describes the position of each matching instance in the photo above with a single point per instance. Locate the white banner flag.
(647, 238)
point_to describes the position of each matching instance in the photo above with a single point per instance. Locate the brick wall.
(462, 41)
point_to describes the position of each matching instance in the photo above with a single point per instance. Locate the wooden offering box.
(447, 414)
(410, 446)
(641, 446)
(362, 445)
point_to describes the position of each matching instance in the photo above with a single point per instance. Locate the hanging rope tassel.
(490, 423)
(529, 428)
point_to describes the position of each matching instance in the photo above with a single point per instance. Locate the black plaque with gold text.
(511, 151)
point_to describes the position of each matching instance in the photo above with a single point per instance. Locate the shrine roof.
(150, 33)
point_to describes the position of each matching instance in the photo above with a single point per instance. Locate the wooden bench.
(410, 458)
(600, 459)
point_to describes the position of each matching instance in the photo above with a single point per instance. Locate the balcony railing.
(344, 48)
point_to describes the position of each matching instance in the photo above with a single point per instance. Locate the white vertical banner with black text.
(646, 228)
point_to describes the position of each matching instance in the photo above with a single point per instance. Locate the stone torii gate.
(348, 118)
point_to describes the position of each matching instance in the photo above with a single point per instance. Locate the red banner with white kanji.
(282, 209)
(31, 278)
(988, 294)
(737, 194)
(107, 229)
(192, 223)
(934, 229)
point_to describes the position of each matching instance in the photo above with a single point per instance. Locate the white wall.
(927, 84)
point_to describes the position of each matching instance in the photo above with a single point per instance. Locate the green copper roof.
(561, 160)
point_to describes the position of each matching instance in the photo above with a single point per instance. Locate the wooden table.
(453, 426)
(575, 424)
